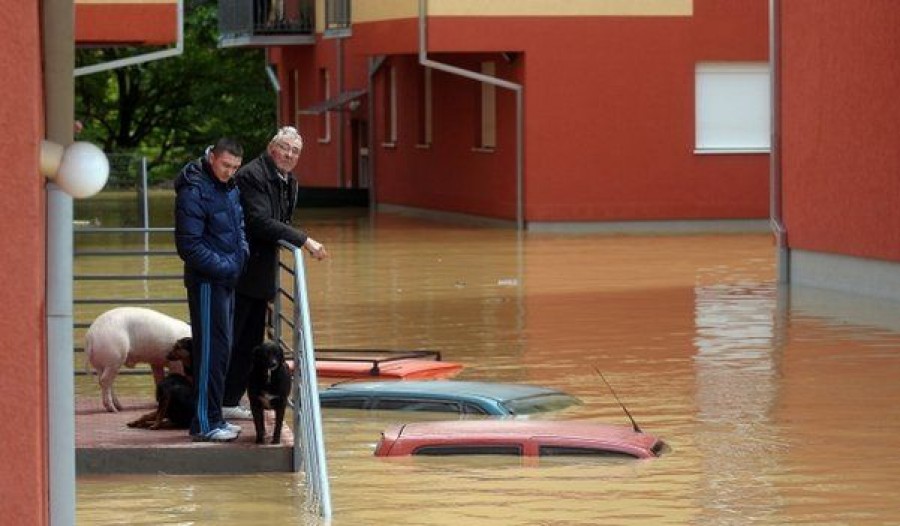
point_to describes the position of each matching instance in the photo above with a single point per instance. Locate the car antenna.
(613, 391)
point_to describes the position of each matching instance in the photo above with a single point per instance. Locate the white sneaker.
(219, 434)
(234, 428)
(237, 412)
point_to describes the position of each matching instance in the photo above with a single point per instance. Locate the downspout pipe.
(144, 57)
(276, 86)
(776, 205)
(500, 83)
(339, 50)
(273, 79)
(59, 104)
(374, 65)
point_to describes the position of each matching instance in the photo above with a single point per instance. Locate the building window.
(425, 108)
(390, 107)
(324, 94)
(733, 107)
(487, 132)
(337, 18)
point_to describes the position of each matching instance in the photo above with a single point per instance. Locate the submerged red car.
(517, 437)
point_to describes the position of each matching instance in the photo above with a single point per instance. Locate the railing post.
(145, 220)
(307, 404)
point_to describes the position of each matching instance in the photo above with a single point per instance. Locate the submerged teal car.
(447, 396)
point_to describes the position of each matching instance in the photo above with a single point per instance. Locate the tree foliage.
(169, 110)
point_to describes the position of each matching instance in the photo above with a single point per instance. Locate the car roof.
(498, 392)
(517, 428)
(474, 432)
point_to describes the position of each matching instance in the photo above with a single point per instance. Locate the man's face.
(285, 153)
(224, 165)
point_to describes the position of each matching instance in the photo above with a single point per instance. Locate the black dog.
(174, 394)
(269, 387)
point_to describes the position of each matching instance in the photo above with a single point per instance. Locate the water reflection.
(737, 389)
(776, 413)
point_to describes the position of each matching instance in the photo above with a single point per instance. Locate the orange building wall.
(119, 23)
(449, 176)
(317, 163)
(609, 111)
(841, 126)
(611, 123)
(318, 166)
(23, 481)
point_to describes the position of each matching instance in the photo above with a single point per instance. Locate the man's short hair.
(287, 133)
(227, 144)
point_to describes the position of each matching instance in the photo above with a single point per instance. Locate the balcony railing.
(246, 19)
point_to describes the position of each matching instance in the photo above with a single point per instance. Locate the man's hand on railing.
(315, 249)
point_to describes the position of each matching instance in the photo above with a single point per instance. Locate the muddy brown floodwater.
(781, 407)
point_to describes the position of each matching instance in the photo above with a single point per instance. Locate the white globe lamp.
(81, 170)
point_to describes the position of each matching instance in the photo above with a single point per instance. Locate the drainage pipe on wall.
(59, 108)
(374, 65)
(144, 57)
(517, 88)
(776, 217)
(339, 45)
(276, 86)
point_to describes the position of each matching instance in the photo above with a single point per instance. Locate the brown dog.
(174, 394)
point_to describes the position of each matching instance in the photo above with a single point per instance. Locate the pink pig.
(127, 336)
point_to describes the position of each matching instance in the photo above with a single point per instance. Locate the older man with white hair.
(268, 196)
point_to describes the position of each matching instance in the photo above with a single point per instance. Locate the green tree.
(169, 110)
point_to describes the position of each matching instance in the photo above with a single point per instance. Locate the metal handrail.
(123, 230)
(126, 277)
(128, 301)
(309, 450)
(144, 276)
(126, 253)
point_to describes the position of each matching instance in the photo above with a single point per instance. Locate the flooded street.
(780, 408)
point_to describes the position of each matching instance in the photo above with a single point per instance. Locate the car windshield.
(539, 404)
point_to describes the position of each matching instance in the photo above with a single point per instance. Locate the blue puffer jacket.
(209, 226)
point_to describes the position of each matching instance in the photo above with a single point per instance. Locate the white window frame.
(732, 108)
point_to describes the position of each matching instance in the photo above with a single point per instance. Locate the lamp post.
(79, 170)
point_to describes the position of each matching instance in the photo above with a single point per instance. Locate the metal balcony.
(266, 22)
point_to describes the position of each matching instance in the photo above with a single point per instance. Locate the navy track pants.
(212, 313)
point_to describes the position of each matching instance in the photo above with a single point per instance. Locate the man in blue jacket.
(209, 235)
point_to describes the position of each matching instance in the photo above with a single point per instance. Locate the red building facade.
(25, 479)
(840, 126)
(609, 108)
(125, 22)
(23, 482)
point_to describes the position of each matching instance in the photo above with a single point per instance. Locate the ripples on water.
(780, 408)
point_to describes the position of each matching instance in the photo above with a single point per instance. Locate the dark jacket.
(209, 229)
(268, 203)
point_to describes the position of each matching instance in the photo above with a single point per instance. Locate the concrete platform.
(106, 445)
